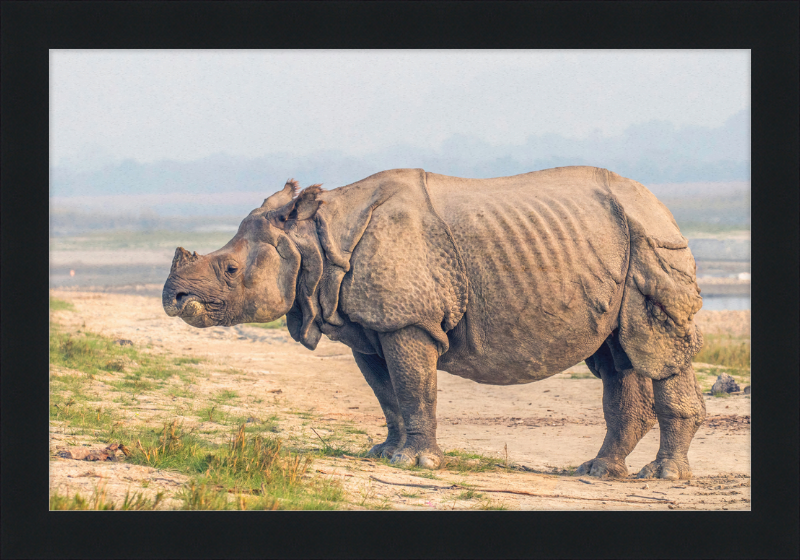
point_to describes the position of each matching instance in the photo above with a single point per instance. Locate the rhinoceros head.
(253, 278)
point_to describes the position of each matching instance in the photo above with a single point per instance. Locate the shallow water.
(726, 303)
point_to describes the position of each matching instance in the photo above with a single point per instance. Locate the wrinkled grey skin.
(502, 281)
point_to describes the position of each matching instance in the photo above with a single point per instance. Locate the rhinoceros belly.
(546, 256)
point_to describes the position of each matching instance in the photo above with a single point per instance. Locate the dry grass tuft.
(99, 501)
(725, 350)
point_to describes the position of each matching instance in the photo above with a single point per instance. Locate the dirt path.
(546, 429)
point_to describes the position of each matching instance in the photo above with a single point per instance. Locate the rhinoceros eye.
(231, 269)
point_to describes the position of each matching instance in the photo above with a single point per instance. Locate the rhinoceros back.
(546, 255)
(557, 260)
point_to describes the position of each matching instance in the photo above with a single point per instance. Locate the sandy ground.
(545, 428)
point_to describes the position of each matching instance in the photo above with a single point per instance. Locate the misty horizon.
(651, 153)
(211, 133)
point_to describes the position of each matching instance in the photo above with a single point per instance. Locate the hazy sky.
(184, 105)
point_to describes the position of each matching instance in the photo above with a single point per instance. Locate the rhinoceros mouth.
(182, 305)
(196, 310)
(191, 306)
(200, 312)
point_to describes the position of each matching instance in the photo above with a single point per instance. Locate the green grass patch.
(353, 430)
(492, 506)
(336, 441)
(226, 396)
(582, 374)
(212, 413)
(725, 350)
(88, 353)
(92, 354)
(419, 472)
(253, 470)
(332, 439)
(84, 417)
(461, 461)
(205, 496)
(169, 446)
(276, 324)
(156, 369)
(60, 305)
(262, 475)
(180, 392)
(133, 383)
(73, 384)
(253, 425)
(469, 495)
(328, 450)
(184, 361)
(98, 501)
(124, 399)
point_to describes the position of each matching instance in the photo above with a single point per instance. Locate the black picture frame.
(769, 29)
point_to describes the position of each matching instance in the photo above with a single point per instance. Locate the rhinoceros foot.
(669, 469)
(603, 467)
(385, 450)
(427, 459)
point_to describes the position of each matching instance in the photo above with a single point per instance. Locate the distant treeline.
(651, 153)
(728, 211)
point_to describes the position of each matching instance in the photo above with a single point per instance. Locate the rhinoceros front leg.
(377, 375)
(681, 410)
(411, 357)
(627, 407)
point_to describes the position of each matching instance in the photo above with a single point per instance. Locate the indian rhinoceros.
(501, 281)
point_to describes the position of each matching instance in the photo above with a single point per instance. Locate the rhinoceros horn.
(283, 196)
(182, 257)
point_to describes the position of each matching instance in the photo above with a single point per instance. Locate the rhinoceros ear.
(283, 196)
(301, 208)
(306, 204)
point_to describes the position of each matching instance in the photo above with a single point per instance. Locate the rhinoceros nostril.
(180, 295)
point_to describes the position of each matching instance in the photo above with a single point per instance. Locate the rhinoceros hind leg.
(627, 407)
(681, 410)
(374, 369)
(411, 356)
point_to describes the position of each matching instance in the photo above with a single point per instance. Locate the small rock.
(123, 342)
(645, 487)
(747, 390)
(83, 454)
(725, 384)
